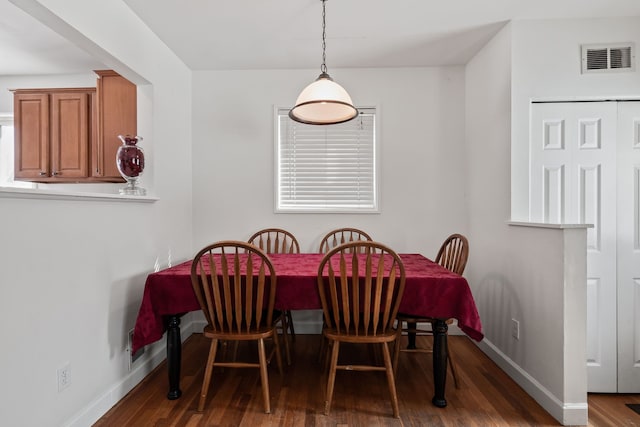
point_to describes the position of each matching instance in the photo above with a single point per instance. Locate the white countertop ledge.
(547, 225)
(32, 193)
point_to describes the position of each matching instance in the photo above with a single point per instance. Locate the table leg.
(174, 357)
(440, 352)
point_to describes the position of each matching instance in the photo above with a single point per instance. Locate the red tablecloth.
(430, 290)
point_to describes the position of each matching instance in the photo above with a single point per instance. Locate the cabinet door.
(70, 135)
(117, 115)
(31, 133)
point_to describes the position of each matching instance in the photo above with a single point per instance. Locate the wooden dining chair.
(275, 241)
(452, 255)
(332, 239)
(278, 241)
(235, 284)
(360, 286)
(341, 236)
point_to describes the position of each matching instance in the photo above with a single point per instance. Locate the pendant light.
(323, 102)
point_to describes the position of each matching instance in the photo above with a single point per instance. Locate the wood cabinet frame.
(71, 134)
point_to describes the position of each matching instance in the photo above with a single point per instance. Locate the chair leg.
(276, 346)
(285, 335)
(396, 350)
(411, 328)
(332, 376)
(324, 347)
(208, 371)
(234, 352)
(264, 377)
(224, 349)
(391, 380)
(283, 326)
(289, 323)
(326, 359)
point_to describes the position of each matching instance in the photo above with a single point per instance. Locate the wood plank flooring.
(486, 397)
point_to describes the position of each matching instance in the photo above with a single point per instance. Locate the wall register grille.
(608, 58)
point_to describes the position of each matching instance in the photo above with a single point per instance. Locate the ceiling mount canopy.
(323, 102)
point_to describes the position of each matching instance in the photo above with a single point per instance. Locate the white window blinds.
(326, 168)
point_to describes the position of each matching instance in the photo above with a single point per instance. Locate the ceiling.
(286, 34)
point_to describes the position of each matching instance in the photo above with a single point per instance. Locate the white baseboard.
(308, 328)
(307, 321)
(574, 414)
(566, 413)
(155, 354)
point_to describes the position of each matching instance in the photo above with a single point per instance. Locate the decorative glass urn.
(130, 161)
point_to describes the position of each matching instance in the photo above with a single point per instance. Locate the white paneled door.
(628, 249)
(585, 168)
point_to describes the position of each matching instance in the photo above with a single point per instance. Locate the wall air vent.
(598, 58)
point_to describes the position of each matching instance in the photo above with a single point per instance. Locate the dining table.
(430, 291)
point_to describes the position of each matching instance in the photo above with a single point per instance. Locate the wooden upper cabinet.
(52, 134)
(117, 115)
(71, 134)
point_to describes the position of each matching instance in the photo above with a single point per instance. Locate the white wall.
(40, 81)
(556, 45)
(420, 115)
(531, 60)
(72, 271)
(546, 64)
(515, 272)
(78, 301)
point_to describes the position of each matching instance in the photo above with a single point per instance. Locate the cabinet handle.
(55, 174)
(43, 173)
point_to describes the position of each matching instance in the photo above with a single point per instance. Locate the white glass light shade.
(323, 102)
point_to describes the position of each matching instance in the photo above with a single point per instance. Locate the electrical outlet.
(515, 329)
(64, 376)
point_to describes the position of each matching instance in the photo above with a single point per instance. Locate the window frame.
(376, 174)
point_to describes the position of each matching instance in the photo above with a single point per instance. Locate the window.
(329, 168)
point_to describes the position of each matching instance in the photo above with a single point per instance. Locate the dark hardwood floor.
(486, 397)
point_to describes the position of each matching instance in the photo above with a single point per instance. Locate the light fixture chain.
(323, 67)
